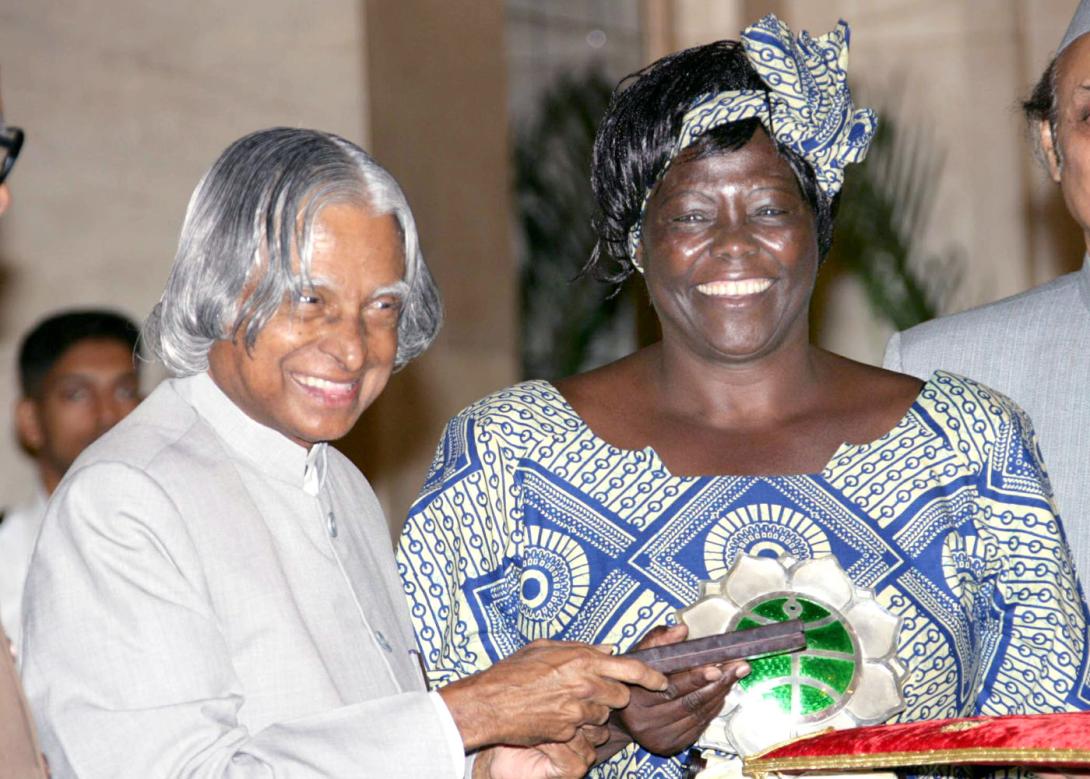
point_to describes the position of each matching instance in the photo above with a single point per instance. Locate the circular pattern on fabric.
(762, 530)
(553, 583)
(816, 682)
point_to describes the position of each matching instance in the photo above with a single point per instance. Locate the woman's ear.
(1050, 148)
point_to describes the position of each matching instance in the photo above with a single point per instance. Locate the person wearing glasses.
(11, 143)
(20, 755)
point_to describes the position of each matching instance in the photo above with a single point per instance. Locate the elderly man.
(1035, 346)
(78, 378)
(220, 596)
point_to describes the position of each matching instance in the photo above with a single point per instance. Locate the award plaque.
(846, 676)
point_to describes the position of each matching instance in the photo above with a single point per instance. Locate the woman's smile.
(739, 288)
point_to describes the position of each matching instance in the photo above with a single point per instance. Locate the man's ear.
(1050, 149)
(28, 425)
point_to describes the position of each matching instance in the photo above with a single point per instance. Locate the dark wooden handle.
(774, 639)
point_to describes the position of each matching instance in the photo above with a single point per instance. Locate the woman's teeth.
(735, 288)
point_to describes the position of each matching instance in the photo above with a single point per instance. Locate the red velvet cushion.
(1041, 740)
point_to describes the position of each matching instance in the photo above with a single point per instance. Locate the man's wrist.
(468, 712)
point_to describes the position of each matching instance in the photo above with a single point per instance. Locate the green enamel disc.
(814, 682)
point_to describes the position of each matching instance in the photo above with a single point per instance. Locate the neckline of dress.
(846, 449)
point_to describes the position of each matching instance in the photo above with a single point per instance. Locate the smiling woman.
(597, 508)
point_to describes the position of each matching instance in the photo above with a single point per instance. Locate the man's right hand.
(544, 761)
(543, 693)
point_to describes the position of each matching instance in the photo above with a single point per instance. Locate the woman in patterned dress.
(591, 510)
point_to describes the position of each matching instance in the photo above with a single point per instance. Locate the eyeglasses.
(11, 142)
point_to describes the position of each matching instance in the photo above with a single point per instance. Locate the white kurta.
(208, 600)
(17, 534)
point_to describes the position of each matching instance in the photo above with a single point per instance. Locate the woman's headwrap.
(808, 107)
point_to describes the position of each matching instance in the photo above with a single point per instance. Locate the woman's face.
(730, 253)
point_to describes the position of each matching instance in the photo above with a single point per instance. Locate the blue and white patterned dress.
(531, 526)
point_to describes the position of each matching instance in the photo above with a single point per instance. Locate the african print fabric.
(530, 526)
(807, 106)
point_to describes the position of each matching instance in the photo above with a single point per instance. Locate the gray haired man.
(219, 596)
(1035, 347)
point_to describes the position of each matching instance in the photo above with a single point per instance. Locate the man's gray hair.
(255, 205)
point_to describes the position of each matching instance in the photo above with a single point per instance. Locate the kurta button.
(382, 642)
(331, 524)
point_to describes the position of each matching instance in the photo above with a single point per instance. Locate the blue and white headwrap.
(808, 107)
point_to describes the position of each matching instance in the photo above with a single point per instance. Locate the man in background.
(78, 377)
(1035, 347)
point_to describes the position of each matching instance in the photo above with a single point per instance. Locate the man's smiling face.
(325, 355)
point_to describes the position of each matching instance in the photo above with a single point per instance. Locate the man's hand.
(667, 722)
(544, 761)
(543, 693)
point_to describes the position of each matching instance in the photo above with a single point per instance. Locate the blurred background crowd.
(485, 112)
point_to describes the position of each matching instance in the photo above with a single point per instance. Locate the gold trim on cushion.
(758, 767)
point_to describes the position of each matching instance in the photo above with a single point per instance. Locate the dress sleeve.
(1038, 641)
(455, 550)
(129, 674)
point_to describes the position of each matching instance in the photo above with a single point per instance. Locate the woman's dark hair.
(639, 130)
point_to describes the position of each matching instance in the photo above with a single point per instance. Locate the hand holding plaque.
(667, 722)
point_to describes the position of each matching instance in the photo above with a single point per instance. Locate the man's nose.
(346, 342)
(110, 411)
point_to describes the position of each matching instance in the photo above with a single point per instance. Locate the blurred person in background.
(78, 376)
(594, 508)
(20, 755)
(1035, 346)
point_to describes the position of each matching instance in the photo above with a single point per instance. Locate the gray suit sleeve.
(892, 361)
(129, 674)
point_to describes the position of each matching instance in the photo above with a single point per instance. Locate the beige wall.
(957, 69)
(125, 103)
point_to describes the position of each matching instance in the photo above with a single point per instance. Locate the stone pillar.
(437, 88)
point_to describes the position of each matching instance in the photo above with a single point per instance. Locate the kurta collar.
(270, 451)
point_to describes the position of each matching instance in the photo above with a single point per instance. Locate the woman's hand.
(544, 693)
(667, 722)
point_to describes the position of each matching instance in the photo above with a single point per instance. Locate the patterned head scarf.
(808, 107)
